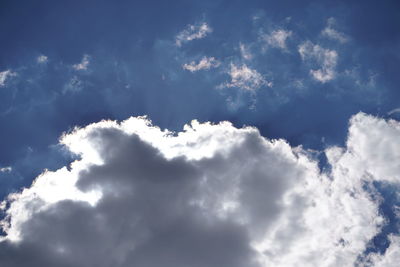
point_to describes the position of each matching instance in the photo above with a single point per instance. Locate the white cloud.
(277, 38)
(333, 34)
(245, 52)
(371, 154)
(372, 146)
(4, 75)
(245, 78)
(6, 169)
(394, 111)
(211, 195)
(325, 58)
(205, 63)
(42, 59)
(193, 32)
(83, 65)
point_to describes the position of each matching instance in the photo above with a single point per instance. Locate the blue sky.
(295, 70)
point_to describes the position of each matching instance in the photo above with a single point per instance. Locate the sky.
(199, 133)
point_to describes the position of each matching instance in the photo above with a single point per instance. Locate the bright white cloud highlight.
(205, 63)
(193, 32)
(4, 75)
(245, 78)
(326, 59)
(42, 59)
(372, 147)
(211, 195)
(6, 169)
(84, 64)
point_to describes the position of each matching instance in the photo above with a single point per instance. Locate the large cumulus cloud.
(211, 195)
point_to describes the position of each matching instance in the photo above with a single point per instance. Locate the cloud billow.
(211, 195)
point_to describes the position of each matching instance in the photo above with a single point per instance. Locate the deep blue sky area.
(135, 68)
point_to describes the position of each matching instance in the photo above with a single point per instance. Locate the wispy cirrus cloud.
(325, 58)
(331, 33)
(192, 32)
(84, 64)
(74, 85)
(205, 63)
(243, 77)
(245, 52)
(277, 38)
(394, 111)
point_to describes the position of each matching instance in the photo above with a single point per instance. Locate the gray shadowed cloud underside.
(211, 195)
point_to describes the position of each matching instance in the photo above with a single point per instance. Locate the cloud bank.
(211, 195)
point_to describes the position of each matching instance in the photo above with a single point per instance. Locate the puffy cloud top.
(211, 195)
